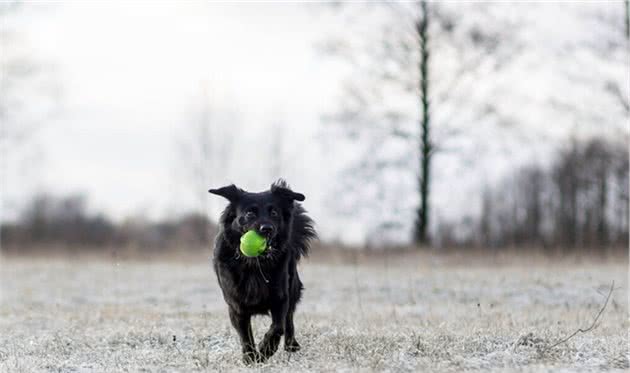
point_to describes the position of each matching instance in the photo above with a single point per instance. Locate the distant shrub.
(57, 222)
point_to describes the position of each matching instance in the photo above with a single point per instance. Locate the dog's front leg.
(270, 342)
(290, 344)
(242, 324)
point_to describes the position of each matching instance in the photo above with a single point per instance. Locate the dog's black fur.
(269, 283)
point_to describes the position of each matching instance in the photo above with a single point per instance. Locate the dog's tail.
(303, 232)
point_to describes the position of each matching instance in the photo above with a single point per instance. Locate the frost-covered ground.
(99, 315)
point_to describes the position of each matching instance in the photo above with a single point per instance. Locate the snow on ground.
(100, 315)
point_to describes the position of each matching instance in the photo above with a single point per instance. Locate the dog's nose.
(266, 229)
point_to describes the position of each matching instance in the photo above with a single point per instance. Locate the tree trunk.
(627, 17)
(602, 225)
(422, 221)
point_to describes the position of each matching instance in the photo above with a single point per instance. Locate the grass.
(416, 314)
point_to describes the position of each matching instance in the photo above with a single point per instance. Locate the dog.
(269, 283)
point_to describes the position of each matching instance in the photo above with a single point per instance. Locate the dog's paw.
(268, 347)
(252, 357)
(292, 346)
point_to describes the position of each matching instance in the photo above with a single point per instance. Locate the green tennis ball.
(253, 244)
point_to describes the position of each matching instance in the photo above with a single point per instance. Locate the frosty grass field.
(411, 314)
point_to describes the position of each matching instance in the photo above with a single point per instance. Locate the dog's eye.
(250, 215)
(273, 213)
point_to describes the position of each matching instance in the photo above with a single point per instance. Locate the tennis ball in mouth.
(253, 244)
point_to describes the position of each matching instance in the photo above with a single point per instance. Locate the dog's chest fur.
(252, 288)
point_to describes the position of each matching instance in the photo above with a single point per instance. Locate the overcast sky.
(132, 75)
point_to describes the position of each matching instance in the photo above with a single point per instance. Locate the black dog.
(268, 283)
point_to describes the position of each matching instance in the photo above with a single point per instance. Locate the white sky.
(131, 74)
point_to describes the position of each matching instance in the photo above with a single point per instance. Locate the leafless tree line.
(52, 223)
(579, 203)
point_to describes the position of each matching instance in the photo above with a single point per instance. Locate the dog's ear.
(282, 189)
(287, 193)
(230, 192)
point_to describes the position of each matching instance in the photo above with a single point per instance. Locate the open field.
(407, 315)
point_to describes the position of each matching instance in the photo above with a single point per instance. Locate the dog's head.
(269, 213)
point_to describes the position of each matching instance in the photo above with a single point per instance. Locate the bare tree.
(276, 149)
(627, 18)
(421, 224)
(400, 100)
(206, 149)
(580, 202)
(29, 95)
